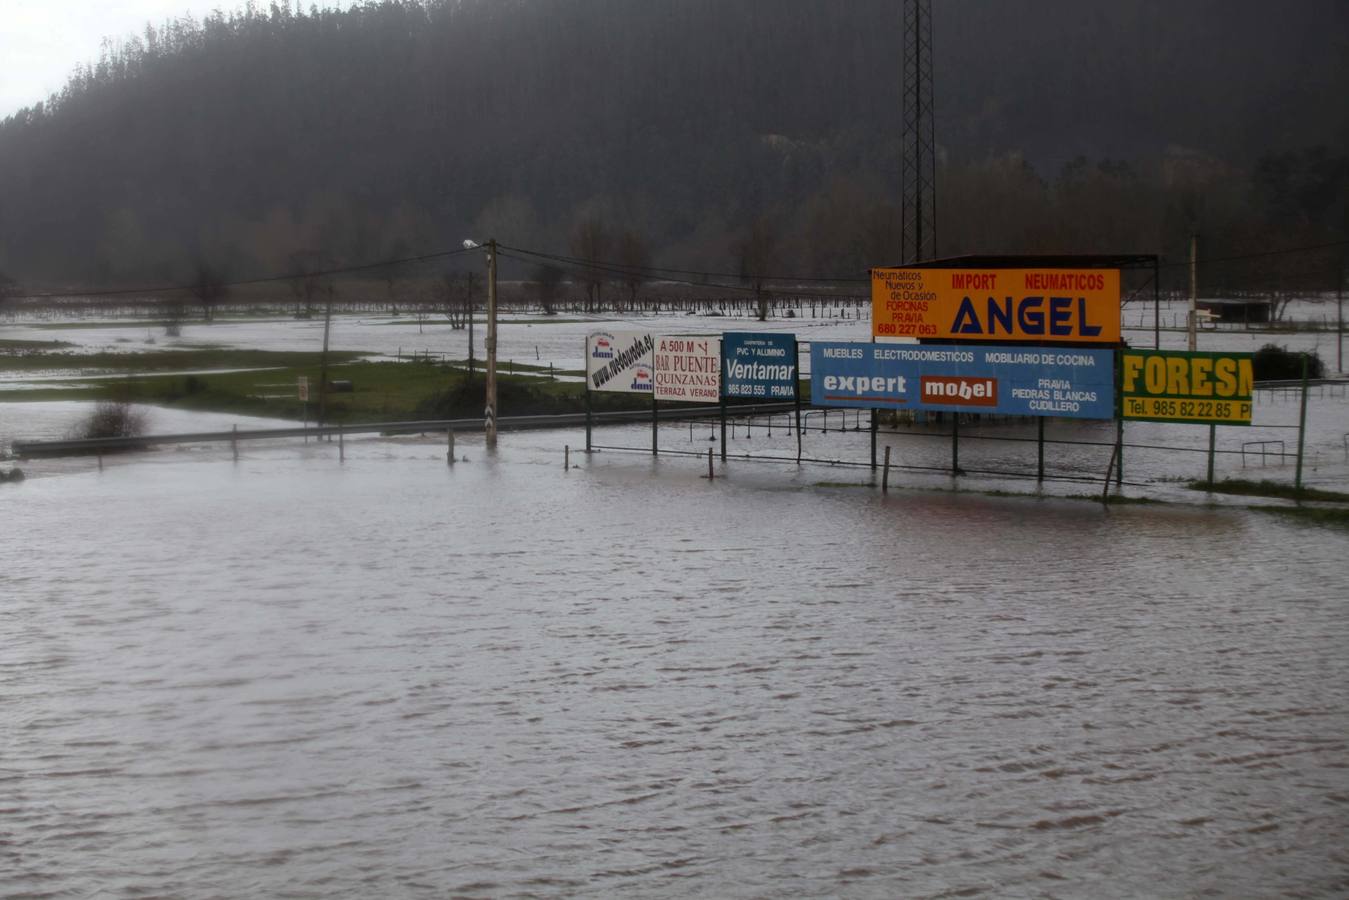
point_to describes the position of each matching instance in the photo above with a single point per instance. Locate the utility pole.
(1194, 291)
(1339, 318)
(490, 412)
(918, 143)
(323, 360)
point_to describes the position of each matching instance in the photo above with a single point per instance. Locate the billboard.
(688, 369)
(1024, 381)
(1181, 386)
(620, 362)
(1060, 305)
(758, 366)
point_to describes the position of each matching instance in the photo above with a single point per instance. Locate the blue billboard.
(757, 365)
(1022, 381)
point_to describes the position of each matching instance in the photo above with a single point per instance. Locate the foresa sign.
(1180, 386)
(1041, 305)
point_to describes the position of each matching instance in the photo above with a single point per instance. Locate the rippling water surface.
(391, 678)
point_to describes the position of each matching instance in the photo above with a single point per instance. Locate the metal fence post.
(1301, 425)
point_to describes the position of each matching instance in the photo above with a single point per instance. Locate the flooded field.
(392, 677)
(297, 676)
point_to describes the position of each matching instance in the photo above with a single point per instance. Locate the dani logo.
(959, 390)
(641, 379)
(604, 349)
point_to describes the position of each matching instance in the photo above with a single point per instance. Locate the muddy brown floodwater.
(289, 677)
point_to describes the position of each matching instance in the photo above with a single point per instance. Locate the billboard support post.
(796, 396)
(589, 416)
(1040, 448)
(1301, 425)
(955, 443)
(723, 429)
(1213, 440)
(1119, 424)
(874, 424)
(1119, 455)
(655, 446)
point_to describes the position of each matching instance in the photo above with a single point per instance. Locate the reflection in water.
(394, 678)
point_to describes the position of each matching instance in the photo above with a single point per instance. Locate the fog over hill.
(689, 132)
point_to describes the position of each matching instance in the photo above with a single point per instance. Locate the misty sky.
(41, 41)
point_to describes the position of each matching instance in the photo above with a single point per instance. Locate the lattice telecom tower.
(918, 155)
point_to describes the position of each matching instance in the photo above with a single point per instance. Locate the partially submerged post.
(796, 395)
(955, 443)
(1213, 440)
(1301, 425)
(589, 415)
(449, 446)
(723, 426)
(1040, 448)
(874, 425)
(490, 408)
(885, 473)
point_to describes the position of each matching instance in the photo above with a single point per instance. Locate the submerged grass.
(1334, 517)
(1244, 488)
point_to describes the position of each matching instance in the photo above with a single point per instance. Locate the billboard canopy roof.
(1039, 261)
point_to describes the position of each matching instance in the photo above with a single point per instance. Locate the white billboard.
(620, 362)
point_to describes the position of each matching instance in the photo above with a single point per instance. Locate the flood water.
(391, 677)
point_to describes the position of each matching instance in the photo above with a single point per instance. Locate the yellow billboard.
(1061, 305)
(1180, 386)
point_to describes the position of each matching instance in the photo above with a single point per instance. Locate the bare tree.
(454, 294)
(391, 271)
(756, 255)
(635, 258)
(309, 281)
(590, 244)
(547, 282)
(209, 287)
(9, 288)
(175, 310)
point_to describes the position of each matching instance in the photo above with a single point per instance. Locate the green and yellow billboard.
(1180, 386)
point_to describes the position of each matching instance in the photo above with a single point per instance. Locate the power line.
(610, 265)
(578, 269)
(295, 276)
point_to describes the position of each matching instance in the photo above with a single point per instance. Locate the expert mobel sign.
(1180, 386)
(1040, 305)
(1070, 382)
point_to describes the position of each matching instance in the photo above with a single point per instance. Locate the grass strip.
(1244, 488)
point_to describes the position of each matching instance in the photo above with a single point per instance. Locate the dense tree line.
(724, 135)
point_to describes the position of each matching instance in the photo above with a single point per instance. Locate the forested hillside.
(680, 131)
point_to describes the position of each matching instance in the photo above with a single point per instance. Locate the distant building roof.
(1039, 261)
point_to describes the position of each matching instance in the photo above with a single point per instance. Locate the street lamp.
(490, 405)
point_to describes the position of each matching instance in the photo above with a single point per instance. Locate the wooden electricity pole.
(1193, 343)
(490, 411)
(323, 359)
